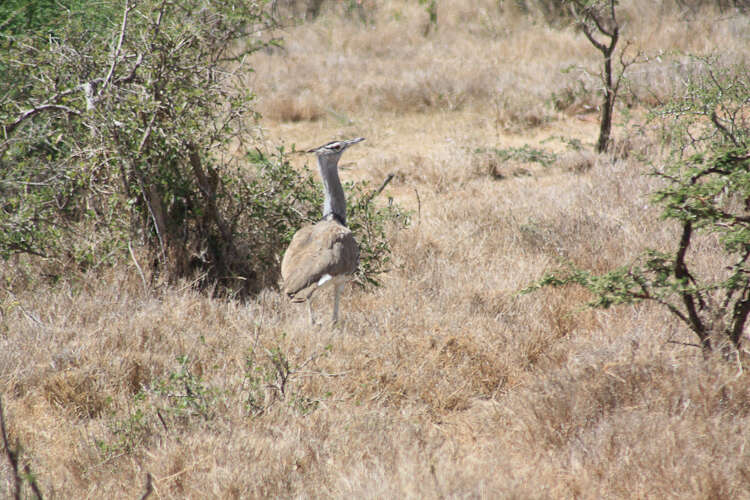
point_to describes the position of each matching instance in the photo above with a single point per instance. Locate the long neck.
(335, 203)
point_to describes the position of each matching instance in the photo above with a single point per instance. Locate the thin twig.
(138, 266)
(739, 363)
(379, 190)
(149, 487)
(311, 373)
(161, 419)
(12, 455)
(723, 129)
(30, 316)
(9, 128)
(688, 344)
(599, 24)
(596, 43)
(419, 207)
(13, 458)
(32, 482)
(116, 53)
(11, 16)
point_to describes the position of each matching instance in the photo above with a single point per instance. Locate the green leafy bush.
(18, 17)
(707, 194)
(121, 132)
(371, 225)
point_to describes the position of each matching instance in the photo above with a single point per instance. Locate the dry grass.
(442, 383)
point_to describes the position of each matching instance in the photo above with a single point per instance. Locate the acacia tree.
(598, 21)
(707, 194)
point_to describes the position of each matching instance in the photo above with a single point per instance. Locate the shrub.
(18, 17)
(122, 134)
(370, 225)
(707, 194)
(120, 130)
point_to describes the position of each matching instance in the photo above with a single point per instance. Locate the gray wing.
(323, 248)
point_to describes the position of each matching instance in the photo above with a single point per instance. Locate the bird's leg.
(336, 298)
(310, 312)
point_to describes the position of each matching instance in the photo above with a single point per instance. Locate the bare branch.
(157, 25)
(625, 64)
(723, 129)
(138, 266)
(146, 133)
(591, 13)
(32, 482)
(613, 14)
(739, 317)
(131, 76)
(687, 344)
(12, 456)
(681, 272)
(116, 54)
(596, 43)
(207, 188)
(9, 128)
(11, 16)
(646, 295)
(149, 485)
(379, 190)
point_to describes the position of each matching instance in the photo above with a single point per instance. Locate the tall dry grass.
(444, 382)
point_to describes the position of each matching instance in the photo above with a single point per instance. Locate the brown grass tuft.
(292, 109)
(75, 392)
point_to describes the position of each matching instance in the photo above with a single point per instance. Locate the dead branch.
(9, 128)
(12, 456)
(375, 193)
(149, 487)
(118, 48)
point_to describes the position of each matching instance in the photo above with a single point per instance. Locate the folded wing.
(317, 254)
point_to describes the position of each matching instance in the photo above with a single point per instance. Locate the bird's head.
(334, 148)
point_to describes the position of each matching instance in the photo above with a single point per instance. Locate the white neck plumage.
(334, 205)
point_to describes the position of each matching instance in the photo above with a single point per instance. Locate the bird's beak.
(354, 141)
(345, 143)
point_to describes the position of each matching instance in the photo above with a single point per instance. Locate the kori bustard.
(326, 253)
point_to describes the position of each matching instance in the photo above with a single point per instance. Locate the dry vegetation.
(444, 382)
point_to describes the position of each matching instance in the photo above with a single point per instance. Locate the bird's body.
(329, 252)
(325, 253)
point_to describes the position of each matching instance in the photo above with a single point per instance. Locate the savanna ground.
(444, 381)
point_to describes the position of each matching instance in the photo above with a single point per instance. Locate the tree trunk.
(608, 104)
